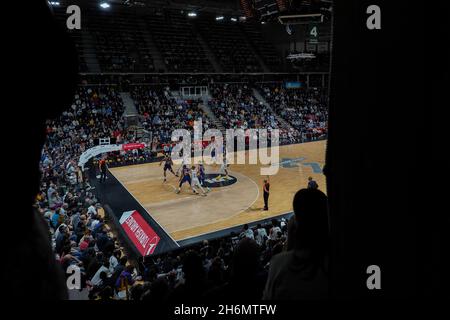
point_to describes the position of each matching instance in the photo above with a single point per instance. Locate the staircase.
(158, 60)
(89, 54)
(130, 107)
(255, 53)
(208, 53)
(205, 107)
(261, 99)
(131, 115)
(261, 62)
(175, 94)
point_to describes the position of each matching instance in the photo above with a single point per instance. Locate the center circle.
(216, 180)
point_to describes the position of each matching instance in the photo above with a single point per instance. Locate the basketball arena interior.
(137, 212)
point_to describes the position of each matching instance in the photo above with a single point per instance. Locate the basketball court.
(237, 202)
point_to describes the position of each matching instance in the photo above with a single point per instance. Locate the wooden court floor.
(186, 215)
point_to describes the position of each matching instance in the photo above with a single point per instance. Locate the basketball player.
(185, 177)
(214, 151)
(213, 156)
(167, 166)
(195, 182)
(224, 170)
(185, 162)
(202, 176)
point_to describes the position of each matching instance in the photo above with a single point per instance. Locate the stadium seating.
(236, 107)
(305, 110)
(264, 48)
(229, 45)
(120, 43)
(80, 232)
(162, 113)
(176, 40)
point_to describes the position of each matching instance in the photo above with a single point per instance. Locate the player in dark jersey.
(185, 177)
(202, 176)
(167, 166)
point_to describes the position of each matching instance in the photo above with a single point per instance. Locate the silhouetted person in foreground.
(191, 288)
(301, 273)
(41, 82)
(247, 279)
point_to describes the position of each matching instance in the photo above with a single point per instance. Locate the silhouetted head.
(311, 221)
(106, 293)
(129, 268)
(246, 259)
(193, 266)
(103, 276)
(274, 222)
(159, 291)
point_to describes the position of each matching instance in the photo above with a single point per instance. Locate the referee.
(103, 168)
(266, 188)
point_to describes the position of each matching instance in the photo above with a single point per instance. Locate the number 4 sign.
(313, 33)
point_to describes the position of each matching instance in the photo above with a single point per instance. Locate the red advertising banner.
(131, 146)
(140, 233)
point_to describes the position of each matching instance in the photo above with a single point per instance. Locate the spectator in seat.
(106, 294)
(193, 286)
(246, 232)
(158, 292)
(125, 280)
(260, 234)
(119, 268)
(96, 279)
(246, 282)
(273, 233)
(104, 282)
(301, 273)
(92, 210)
(104, 242)
(84, 243)
(57, 218)
(312, 184)
(114, 260)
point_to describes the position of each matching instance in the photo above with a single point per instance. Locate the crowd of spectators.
(95, 113)
(66, 200)
(284, 259)
(236, 107)
(305, 110)
(234, 266)
(162, 113)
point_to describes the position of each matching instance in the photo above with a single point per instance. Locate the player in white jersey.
(223, 170)
(195, 182)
